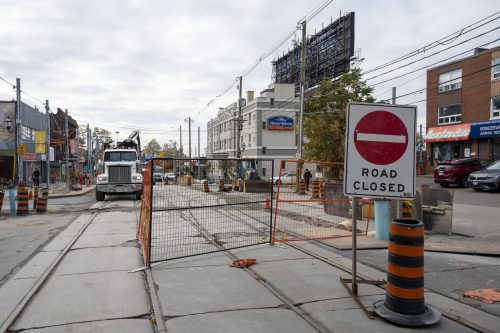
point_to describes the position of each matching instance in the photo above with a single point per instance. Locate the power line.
(460, 77)
(433, 54)
(442, 41)
(434, 64)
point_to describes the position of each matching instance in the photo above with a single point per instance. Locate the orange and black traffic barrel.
(404, 301)
(315, 189)
(206, 189)
(302, 186)
(22, 199)
(41, 206)
(221, 185)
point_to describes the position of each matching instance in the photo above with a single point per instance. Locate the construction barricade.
(324, 212)
(41, 206)
(209, 216)
(404, 303)
(22, 199)
(35, 196)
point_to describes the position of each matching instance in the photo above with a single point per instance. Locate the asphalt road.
(22, 237)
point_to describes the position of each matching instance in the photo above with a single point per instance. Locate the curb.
(71, 194)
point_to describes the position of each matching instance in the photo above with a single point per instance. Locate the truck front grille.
(119, 174)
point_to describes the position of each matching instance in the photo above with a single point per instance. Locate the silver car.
(486, 179)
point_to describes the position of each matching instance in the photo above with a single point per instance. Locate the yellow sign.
(21, 149)
(40, 137)
(161, 153)
(40, 148)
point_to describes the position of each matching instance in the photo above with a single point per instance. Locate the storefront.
(449, 143)
(486, 136)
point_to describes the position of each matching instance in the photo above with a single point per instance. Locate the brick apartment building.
(463, 108)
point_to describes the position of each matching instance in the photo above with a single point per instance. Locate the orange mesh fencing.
(144, 229)
(310, 203)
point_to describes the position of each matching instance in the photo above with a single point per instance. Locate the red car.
(457, 171)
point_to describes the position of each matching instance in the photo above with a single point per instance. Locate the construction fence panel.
(310, 203)
(201, 206)
(144, 229)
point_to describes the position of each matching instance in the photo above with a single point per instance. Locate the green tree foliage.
(325, 115)
(152, 149)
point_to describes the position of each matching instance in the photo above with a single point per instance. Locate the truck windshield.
(120, 156)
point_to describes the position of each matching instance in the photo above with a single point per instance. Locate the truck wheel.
(99, 196)
(138, 195)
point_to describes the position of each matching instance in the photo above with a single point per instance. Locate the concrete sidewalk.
(204, 294)
(93, 288)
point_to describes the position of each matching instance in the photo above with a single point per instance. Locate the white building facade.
(268, 127)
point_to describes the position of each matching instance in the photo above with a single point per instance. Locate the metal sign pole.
(354, 245)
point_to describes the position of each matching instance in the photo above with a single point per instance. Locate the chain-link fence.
(200, 206)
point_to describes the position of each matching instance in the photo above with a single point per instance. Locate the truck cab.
(120, 172)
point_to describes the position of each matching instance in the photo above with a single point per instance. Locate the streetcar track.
(43, 279)
(275, 291)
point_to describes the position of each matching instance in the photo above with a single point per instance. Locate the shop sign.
(487, 129)
(280, 123)
(448, 133)
(30, 157)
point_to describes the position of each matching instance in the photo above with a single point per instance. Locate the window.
(272, 101)
(495, 107)
(249, 119)
(450, 114)
(263, 150)
(450, 81)
(495, 70)
(264, 172)
(263, 125)
(254, 139)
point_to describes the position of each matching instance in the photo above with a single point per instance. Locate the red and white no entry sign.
(381, 137)
(380, 151)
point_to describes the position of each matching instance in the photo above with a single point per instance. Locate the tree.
(152, 149)
(325, 115)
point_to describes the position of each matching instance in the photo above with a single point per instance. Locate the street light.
(117, 137)
(8, 123)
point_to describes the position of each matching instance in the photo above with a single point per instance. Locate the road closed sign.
(380, 151)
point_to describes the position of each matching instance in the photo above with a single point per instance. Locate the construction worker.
(307, 178)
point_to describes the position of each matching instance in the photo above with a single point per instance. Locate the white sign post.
(380, 151)
(379, 158)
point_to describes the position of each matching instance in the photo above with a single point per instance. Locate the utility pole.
(239, 121)
(78, 149)
(421, 147)
(393, 95)
(302, 86)
(67, 149)
(189, 121)
(180, 141)
(19, 131)
(199, 153)
(47, 144)
(88, 150)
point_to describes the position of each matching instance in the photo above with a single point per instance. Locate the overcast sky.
(132, 64)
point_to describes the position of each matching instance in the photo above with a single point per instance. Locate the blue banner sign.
(280, 123)
(487, 129)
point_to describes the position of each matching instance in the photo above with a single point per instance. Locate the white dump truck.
(120, 170)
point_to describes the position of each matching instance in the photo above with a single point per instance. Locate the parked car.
(286, 178)
(457, 171)
(486, 179)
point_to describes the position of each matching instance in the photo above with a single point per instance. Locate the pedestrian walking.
(36, 177)
(307, 178)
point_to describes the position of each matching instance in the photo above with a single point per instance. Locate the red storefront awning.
(448, 133)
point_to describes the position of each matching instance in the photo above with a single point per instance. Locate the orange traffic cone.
(30, 195)
(267, 205)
